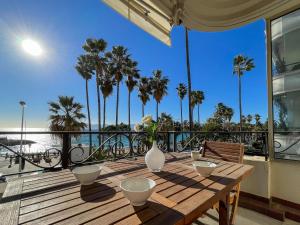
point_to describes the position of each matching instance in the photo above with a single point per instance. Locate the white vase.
(155, 158)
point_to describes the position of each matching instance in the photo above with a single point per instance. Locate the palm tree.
(244, 119)
(159, 86)
(181, 91)
(144, 92)
(118, 58)
(193, 103)
(84, 68)
(241, 64)
(228, 115)
(257, 118)
(132, 74)
(249, 118)
(199, 100)
(66, 115)
(220, 110)
(94, 47)
(106, 83)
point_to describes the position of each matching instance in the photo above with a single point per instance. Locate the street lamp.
(23, 105)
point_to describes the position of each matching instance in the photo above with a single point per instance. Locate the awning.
(145, 15)
(158, 16)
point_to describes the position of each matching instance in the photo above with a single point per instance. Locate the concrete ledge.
(258, 182)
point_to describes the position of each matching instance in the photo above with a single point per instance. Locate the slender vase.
(155, 158)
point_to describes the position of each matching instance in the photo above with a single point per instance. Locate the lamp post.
(23, 105)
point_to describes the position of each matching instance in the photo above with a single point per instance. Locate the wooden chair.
(232, 152)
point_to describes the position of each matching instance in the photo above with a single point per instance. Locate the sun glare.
(31, 47)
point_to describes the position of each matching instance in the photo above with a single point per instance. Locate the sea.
(42, 142)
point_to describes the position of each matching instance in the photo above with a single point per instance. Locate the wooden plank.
(138, 218)
(67, 208)
(46, 175)
(182, 193)
(174, 179)
(27, 195)
(146, 171)
(182, 190)
(198, 203)
(162, 200)
(116, 215)
(64, 198)
(46, 184)
(223, 150)
(46, 188)
(224, 211)
(10, 202)
(49, 179)
(170, 216)
(55, 194)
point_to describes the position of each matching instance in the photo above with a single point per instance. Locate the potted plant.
(155, 159)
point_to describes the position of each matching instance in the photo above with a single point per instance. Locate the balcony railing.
(44, 151)
(287, 145)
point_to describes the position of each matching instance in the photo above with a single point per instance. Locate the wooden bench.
(231, 152)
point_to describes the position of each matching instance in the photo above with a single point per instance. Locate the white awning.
(145, 15)
(158, 16)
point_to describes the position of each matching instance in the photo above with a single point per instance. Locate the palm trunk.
(143, 110)
(240, 105)
(117, 104)
(189, 78)
(199, 114)
(89, 115)
(193, 114)
(117, 109)
(181, 119)
(104, 111)
(99, 110)
(156, 111)
(129, 122)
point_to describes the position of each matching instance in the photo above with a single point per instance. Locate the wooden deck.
(180, 197)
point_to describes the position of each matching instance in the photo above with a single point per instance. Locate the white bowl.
(204, 168)
(137, 190)
(195, 155)
(86, 175)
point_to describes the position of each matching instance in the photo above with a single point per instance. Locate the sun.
(32, 47)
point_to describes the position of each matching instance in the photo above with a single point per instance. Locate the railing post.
(174, 142)
(266, 152)
(168, 141)
(65, 150)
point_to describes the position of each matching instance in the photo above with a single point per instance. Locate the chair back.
(232, 152)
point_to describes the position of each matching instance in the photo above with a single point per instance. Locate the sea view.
(156, 112)
(42, 142)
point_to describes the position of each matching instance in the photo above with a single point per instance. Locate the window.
(285, 35)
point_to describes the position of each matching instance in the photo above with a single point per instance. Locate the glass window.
(285, 35)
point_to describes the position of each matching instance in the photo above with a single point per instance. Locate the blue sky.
(61, 27)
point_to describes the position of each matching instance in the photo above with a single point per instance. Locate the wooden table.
(180, 197)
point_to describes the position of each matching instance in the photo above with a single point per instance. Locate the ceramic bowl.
(195, 155)
(204, 168)
(86, 175)
(137, 189)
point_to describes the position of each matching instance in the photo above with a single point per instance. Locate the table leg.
(224, 211)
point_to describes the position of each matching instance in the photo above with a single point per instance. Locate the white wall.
(258, 182)
(285, 180)
(277, 178)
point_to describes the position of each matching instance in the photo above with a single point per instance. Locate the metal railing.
(287, 145)
(44, 151)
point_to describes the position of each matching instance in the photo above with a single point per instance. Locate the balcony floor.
(244, 217)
